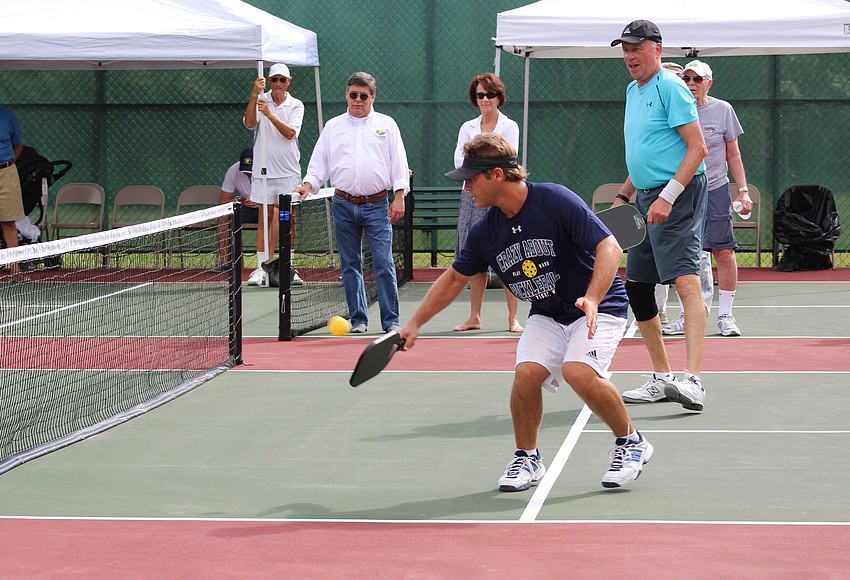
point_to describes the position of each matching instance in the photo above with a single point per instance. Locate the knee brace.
(642, 300)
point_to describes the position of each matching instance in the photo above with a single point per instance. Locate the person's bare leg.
(650, 330)
(600, 395)
(10, 236)
(477, 286)
(727, 269)
(690, 291)
(527, 403)
(513, 306)
(274, 226)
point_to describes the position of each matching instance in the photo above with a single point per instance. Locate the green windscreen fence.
(177, 128)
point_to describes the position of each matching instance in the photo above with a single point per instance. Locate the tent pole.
(497, 61)
(263, 176)
(525, 112)
(318, 98)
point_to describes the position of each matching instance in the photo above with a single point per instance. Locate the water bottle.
(738, 207)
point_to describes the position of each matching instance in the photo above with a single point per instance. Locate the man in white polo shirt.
(275, 117)
(362, 153)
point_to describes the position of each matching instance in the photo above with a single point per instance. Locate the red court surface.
(309, 353)
(39, 548)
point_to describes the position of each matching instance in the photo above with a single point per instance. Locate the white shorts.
(274, 187)
(551, 344)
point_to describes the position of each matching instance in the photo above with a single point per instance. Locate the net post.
(285, 264)
(235, 304)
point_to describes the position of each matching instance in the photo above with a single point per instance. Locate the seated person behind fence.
(237, 187)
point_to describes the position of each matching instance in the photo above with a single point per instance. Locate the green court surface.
(430, 443)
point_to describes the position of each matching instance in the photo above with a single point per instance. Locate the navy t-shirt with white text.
(544, 254)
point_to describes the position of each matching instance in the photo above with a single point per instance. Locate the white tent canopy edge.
(690, 28)
(153, 34)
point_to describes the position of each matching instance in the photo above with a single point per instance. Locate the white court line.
(241, 369)
(735, 431)
(535, 504)
(75, 305)
(423, 522)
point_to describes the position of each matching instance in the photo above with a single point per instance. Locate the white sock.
(261, 257)
(666, 377)
(530, 452)
(726, 299)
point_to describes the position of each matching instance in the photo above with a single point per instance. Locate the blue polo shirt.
(10, 134)
(654, 148)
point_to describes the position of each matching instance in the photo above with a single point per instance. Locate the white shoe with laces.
(651, 391)
(688, 392)
(627, 461)
(675, 328)
(726, 326)
(257, 277)
(522, 472)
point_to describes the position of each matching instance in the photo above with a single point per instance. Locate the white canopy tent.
(152, 34)
(690, 28)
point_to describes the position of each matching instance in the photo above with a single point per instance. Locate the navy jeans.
(351, 222)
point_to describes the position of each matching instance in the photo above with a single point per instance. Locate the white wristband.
(671, 191)
(743, 189)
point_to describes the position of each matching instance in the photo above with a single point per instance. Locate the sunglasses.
(688, 78)
(490, 95)
(354, 96)
(278, 79)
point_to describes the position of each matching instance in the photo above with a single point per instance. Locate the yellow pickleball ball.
(338, 326)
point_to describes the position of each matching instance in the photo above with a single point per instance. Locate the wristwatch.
(625, 198)
(743, 189)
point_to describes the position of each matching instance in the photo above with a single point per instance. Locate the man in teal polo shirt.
(664, 155)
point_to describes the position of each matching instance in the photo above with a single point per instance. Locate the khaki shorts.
(11, 201)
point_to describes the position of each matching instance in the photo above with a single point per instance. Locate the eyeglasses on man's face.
(688, 78)
(362, 96)
(278, 79)
(489, 94)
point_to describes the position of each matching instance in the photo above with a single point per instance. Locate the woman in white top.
(487, 92)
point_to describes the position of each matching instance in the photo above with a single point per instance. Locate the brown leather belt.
(361, 198)
(5, 164)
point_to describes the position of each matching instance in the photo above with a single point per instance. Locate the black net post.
(234, 234)
(285, 263)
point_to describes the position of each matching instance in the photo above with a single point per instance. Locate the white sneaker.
(675, 328)
(726, 326)
(688, 392)
(522, 472)
(296, 279)
(627, 461)
(256, 278)
(651, 391)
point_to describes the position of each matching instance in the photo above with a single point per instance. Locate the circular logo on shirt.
(529, 268)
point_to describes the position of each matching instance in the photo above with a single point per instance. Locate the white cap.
(279, 69)
(700, 68)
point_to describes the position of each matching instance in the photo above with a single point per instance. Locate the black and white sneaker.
(522, 472)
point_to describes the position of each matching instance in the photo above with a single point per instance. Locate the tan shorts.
(11, 202)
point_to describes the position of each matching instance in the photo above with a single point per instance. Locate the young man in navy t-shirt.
(548, 248)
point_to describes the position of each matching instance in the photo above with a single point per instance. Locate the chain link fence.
(177, 128)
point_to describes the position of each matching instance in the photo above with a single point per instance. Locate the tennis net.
(100, 328)
(306, 303)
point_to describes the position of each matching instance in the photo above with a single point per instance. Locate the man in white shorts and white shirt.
(276, 119)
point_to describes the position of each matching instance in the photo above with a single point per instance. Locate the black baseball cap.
(472, 166)
(246, 160)
(638, 31)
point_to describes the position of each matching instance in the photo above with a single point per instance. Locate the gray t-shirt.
(719, 126)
